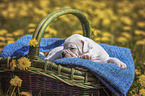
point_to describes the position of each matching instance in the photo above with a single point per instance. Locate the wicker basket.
(52, 79)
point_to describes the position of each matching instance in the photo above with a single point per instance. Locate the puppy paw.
(122, 65)
(117, 62)
(85, 57)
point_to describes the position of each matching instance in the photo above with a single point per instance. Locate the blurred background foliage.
(114, 22)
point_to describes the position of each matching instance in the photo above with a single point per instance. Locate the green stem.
(19, 91)
(8, 90)
(13, 91)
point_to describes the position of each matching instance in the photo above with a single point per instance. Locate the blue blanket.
(116, 79)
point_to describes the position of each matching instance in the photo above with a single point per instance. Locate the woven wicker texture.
(36, 84)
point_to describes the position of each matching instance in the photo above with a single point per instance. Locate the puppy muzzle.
(68, 54)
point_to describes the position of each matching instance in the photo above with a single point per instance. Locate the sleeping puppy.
(78, 46)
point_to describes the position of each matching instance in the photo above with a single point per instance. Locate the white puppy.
(78, 46)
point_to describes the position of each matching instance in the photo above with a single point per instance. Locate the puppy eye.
(72, 48)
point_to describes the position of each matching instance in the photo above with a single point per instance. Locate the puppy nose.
(63, 54)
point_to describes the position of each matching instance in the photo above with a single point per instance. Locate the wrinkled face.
(74, 46)
(70, 51)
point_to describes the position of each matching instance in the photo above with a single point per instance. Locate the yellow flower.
(97, 39)
(142, 92)
(2, 43)
(18, 32)
(3, 31)
(33, 42)
(95, 31)
(10, 39)
(140, 42)
(125, 34)
(51, 31)
(106, 22)
(26, 93)
(127, 28)
(23, 63)
(141, 24)
(47, 35)
(142, 80)
(138, 32)
(121, 39)
(105, 39)
(9, 35)
(31, 30)
(78, 32)
(32, 25)
(115, 18)
(126, 20)
(106, 34)
(13, 64)
(9, 42)
(137, 72)
(2, 39)
(4, 13)
(16, 81)
(44, 4)
(1, 49)
(23, 13)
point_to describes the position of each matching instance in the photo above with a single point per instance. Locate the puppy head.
(76, 45)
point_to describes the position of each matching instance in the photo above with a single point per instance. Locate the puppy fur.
(78, 46)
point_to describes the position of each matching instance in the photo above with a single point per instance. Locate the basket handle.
(38, 34)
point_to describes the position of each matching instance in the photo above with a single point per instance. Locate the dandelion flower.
(125, 34)
(9, 35)
(9, 38)
(2, 43)
(1, 49)
(121, 39)
(32, 25)
(2, 39)
(31, 30)
(9, 42)
(23, 63)
(127, 28)
(140, 42)
(106, 22)
(137, 72)
(141, 24)
(95, 31)
(16, 81)
(78, 32)
(97, 39)
(18, 32)
(26, 93)
(51, 31)
(3, 31)
(105, 39)
(126, 20)
(138, 32)
(33, 42)
(106, 34)
(13, 64)
(142, 80)
(142, 92)
(47, 36)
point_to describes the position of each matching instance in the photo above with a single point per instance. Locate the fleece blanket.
(116, 79)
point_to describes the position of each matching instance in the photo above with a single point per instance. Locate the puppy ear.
(86, 46)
